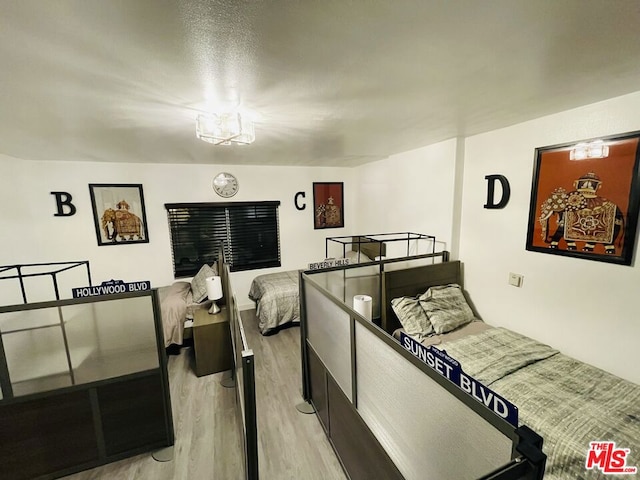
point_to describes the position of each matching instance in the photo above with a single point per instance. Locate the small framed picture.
(328, 206)
(585, 199)
(118, 213)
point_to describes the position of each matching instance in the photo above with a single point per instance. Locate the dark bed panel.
(132, 414)
(370, 248)
(411, 282)
(46, 435)
(318, 377)
(360, 452)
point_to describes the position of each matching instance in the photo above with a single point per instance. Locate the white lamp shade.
(363, 305)
(214, 288)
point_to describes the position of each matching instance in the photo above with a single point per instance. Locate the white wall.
(412, 191)
(585, 308)
(31, 233)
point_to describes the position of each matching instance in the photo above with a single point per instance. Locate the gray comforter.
(568, 402)
(277, 299)
(173, 307)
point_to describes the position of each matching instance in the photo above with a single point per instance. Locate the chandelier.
(595, 149)
(225, 129)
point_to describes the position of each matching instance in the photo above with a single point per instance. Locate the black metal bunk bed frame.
(20, 275)
(381, 239)
(377, 242)
(61, 267)
(86, 424)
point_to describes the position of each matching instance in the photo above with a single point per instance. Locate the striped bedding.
(277, 300)
(569, 403)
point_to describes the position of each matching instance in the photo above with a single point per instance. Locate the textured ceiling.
(330, 82)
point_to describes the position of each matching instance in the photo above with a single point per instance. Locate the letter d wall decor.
(491, 185)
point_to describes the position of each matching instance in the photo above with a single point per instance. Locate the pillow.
(446, 307)
(412, 316)
(353, 257)
(199, 282)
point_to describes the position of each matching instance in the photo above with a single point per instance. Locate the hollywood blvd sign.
(110, 287)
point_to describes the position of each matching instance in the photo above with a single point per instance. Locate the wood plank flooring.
(292, 445)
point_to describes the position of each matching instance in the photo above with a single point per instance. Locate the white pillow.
(199, 282)
(353, 257)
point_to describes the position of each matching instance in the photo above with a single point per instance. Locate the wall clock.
(225, 184)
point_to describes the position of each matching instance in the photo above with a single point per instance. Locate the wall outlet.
(515, 279)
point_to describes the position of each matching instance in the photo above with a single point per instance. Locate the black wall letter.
(506, 191)
(295, 200)
(63, 199)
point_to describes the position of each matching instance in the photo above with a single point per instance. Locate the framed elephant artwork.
(585, 199)
(328, 206)
(118, 214)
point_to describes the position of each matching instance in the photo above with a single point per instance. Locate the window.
(248, 232)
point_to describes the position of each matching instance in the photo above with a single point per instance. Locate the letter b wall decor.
(64, 205)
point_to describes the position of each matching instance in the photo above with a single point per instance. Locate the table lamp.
(214, 292)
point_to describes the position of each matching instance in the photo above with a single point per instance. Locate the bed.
(568, 402)
(179, 300)
(277, 300)
(387, 413)
(276, 295)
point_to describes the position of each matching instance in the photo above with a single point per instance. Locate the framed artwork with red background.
(585, 199)
(328, 206)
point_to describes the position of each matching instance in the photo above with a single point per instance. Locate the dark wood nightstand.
(212, 341)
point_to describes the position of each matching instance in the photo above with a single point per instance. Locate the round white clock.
(225, 184)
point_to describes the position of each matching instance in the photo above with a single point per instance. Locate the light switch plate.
(515, 279)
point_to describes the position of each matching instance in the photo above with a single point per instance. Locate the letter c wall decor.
(506, 191)
(295, 201)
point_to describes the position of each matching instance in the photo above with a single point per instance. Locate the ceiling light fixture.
(225, 129)
(595, 149)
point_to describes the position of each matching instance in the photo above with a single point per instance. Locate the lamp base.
(214, 308)
(163, 455)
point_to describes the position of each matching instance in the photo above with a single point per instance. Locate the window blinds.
(248, 231)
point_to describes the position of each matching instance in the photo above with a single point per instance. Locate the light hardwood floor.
(292, 445)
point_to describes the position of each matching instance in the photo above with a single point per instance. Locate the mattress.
(568, 402)
(277, 300)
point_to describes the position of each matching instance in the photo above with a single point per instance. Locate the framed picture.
(328, 207)
(118, 214)
(585, 199)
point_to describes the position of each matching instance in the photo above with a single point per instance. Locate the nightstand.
(212, 341)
